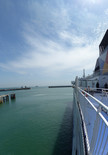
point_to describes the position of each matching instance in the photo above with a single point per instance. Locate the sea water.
(37, 122)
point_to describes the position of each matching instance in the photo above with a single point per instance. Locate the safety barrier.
(93, 121)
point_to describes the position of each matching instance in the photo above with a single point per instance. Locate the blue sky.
(49, 42)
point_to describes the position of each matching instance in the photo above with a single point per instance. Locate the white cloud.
(106, 11)
(50, 55)
(74, 39)
(47, 34)
(93, 2)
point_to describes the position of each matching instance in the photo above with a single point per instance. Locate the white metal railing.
(95, 121)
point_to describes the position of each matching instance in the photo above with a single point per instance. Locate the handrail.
(97, 110)
(94, 114)
(100, 103)
(93, 140)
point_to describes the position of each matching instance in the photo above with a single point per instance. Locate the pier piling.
(12, 96)
(5, 98)
(1, 100)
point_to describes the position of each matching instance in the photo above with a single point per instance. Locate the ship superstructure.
(90, 108)
(99, 78)
(101, 68)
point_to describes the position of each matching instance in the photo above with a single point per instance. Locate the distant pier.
(13, 89)
(65, 86)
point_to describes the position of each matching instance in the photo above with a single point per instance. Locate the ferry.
(90, 108)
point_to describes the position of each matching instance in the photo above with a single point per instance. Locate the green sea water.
(37, 122)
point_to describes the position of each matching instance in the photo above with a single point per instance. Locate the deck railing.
(93, 122)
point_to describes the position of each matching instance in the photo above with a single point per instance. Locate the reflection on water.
(63, 143)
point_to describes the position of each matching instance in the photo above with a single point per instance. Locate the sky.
(49, 42)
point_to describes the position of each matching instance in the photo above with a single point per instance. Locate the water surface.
(37, 122)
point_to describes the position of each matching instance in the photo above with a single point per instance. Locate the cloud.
(57, 39)
(50, 55)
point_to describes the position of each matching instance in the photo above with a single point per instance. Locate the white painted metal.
(99, 102)
(105, 145)
(77, 140)
(95, 121)
(101, 140)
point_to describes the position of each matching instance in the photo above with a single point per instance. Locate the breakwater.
(13, 89)
(65, 86)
